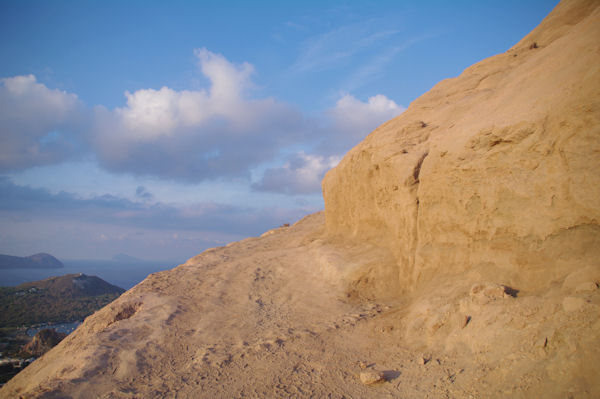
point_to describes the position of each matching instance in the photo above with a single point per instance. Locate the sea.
(66, 328)
(119, 273)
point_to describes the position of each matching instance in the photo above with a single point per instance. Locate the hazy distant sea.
(66, 328)
(121, 274)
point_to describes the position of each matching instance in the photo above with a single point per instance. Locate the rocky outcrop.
(42, 342)
(496, 171)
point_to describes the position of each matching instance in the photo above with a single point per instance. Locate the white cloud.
(53, 104)
(151, 113)
(355, 119)
(302, 174)
(347, 123)
(228, 80)
(36, 123)
(194, 135)
(220, 132)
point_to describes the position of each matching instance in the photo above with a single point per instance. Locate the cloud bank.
(38, 125)
(220, 132)
(37, 220)
(196, 135)
(301, 174)
(344, 126)
(27, 203)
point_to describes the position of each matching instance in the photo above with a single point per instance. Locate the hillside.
(37, 261)
(457, 257)
(56, 299)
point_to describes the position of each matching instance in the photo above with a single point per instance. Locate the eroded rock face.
(497, 170)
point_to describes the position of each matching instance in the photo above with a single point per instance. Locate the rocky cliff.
(457, 257)
(495, 171)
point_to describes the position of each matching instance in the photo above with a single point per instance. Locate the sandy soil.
(256, 319)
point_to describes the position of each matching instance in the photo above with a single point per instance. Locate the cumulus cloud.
(38, 125)
(345, 125)
(196, 135)
(151, 113)
(354, 119)
(219, 132)
(302, 174)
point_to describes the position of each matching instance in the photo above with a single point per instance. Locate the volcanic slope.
(457, 255)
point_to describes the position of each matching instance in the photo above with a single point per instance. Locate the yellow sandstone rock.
(371, 377)
(503, 176)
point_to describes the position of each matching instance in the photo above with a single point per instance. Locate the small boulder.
(371, 377)
(487, 292)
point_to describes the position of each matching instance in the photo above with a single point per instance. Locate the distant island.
(56, 299)
(37, 261)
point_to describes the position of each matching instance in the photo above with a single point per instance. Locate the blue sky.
(160, 129)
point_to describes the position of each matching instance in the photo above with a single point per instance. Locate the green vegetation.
(24, 308)
(57, 299)
(67, 298)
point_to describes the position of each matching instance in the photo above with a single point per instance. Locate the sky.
(159, 129)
